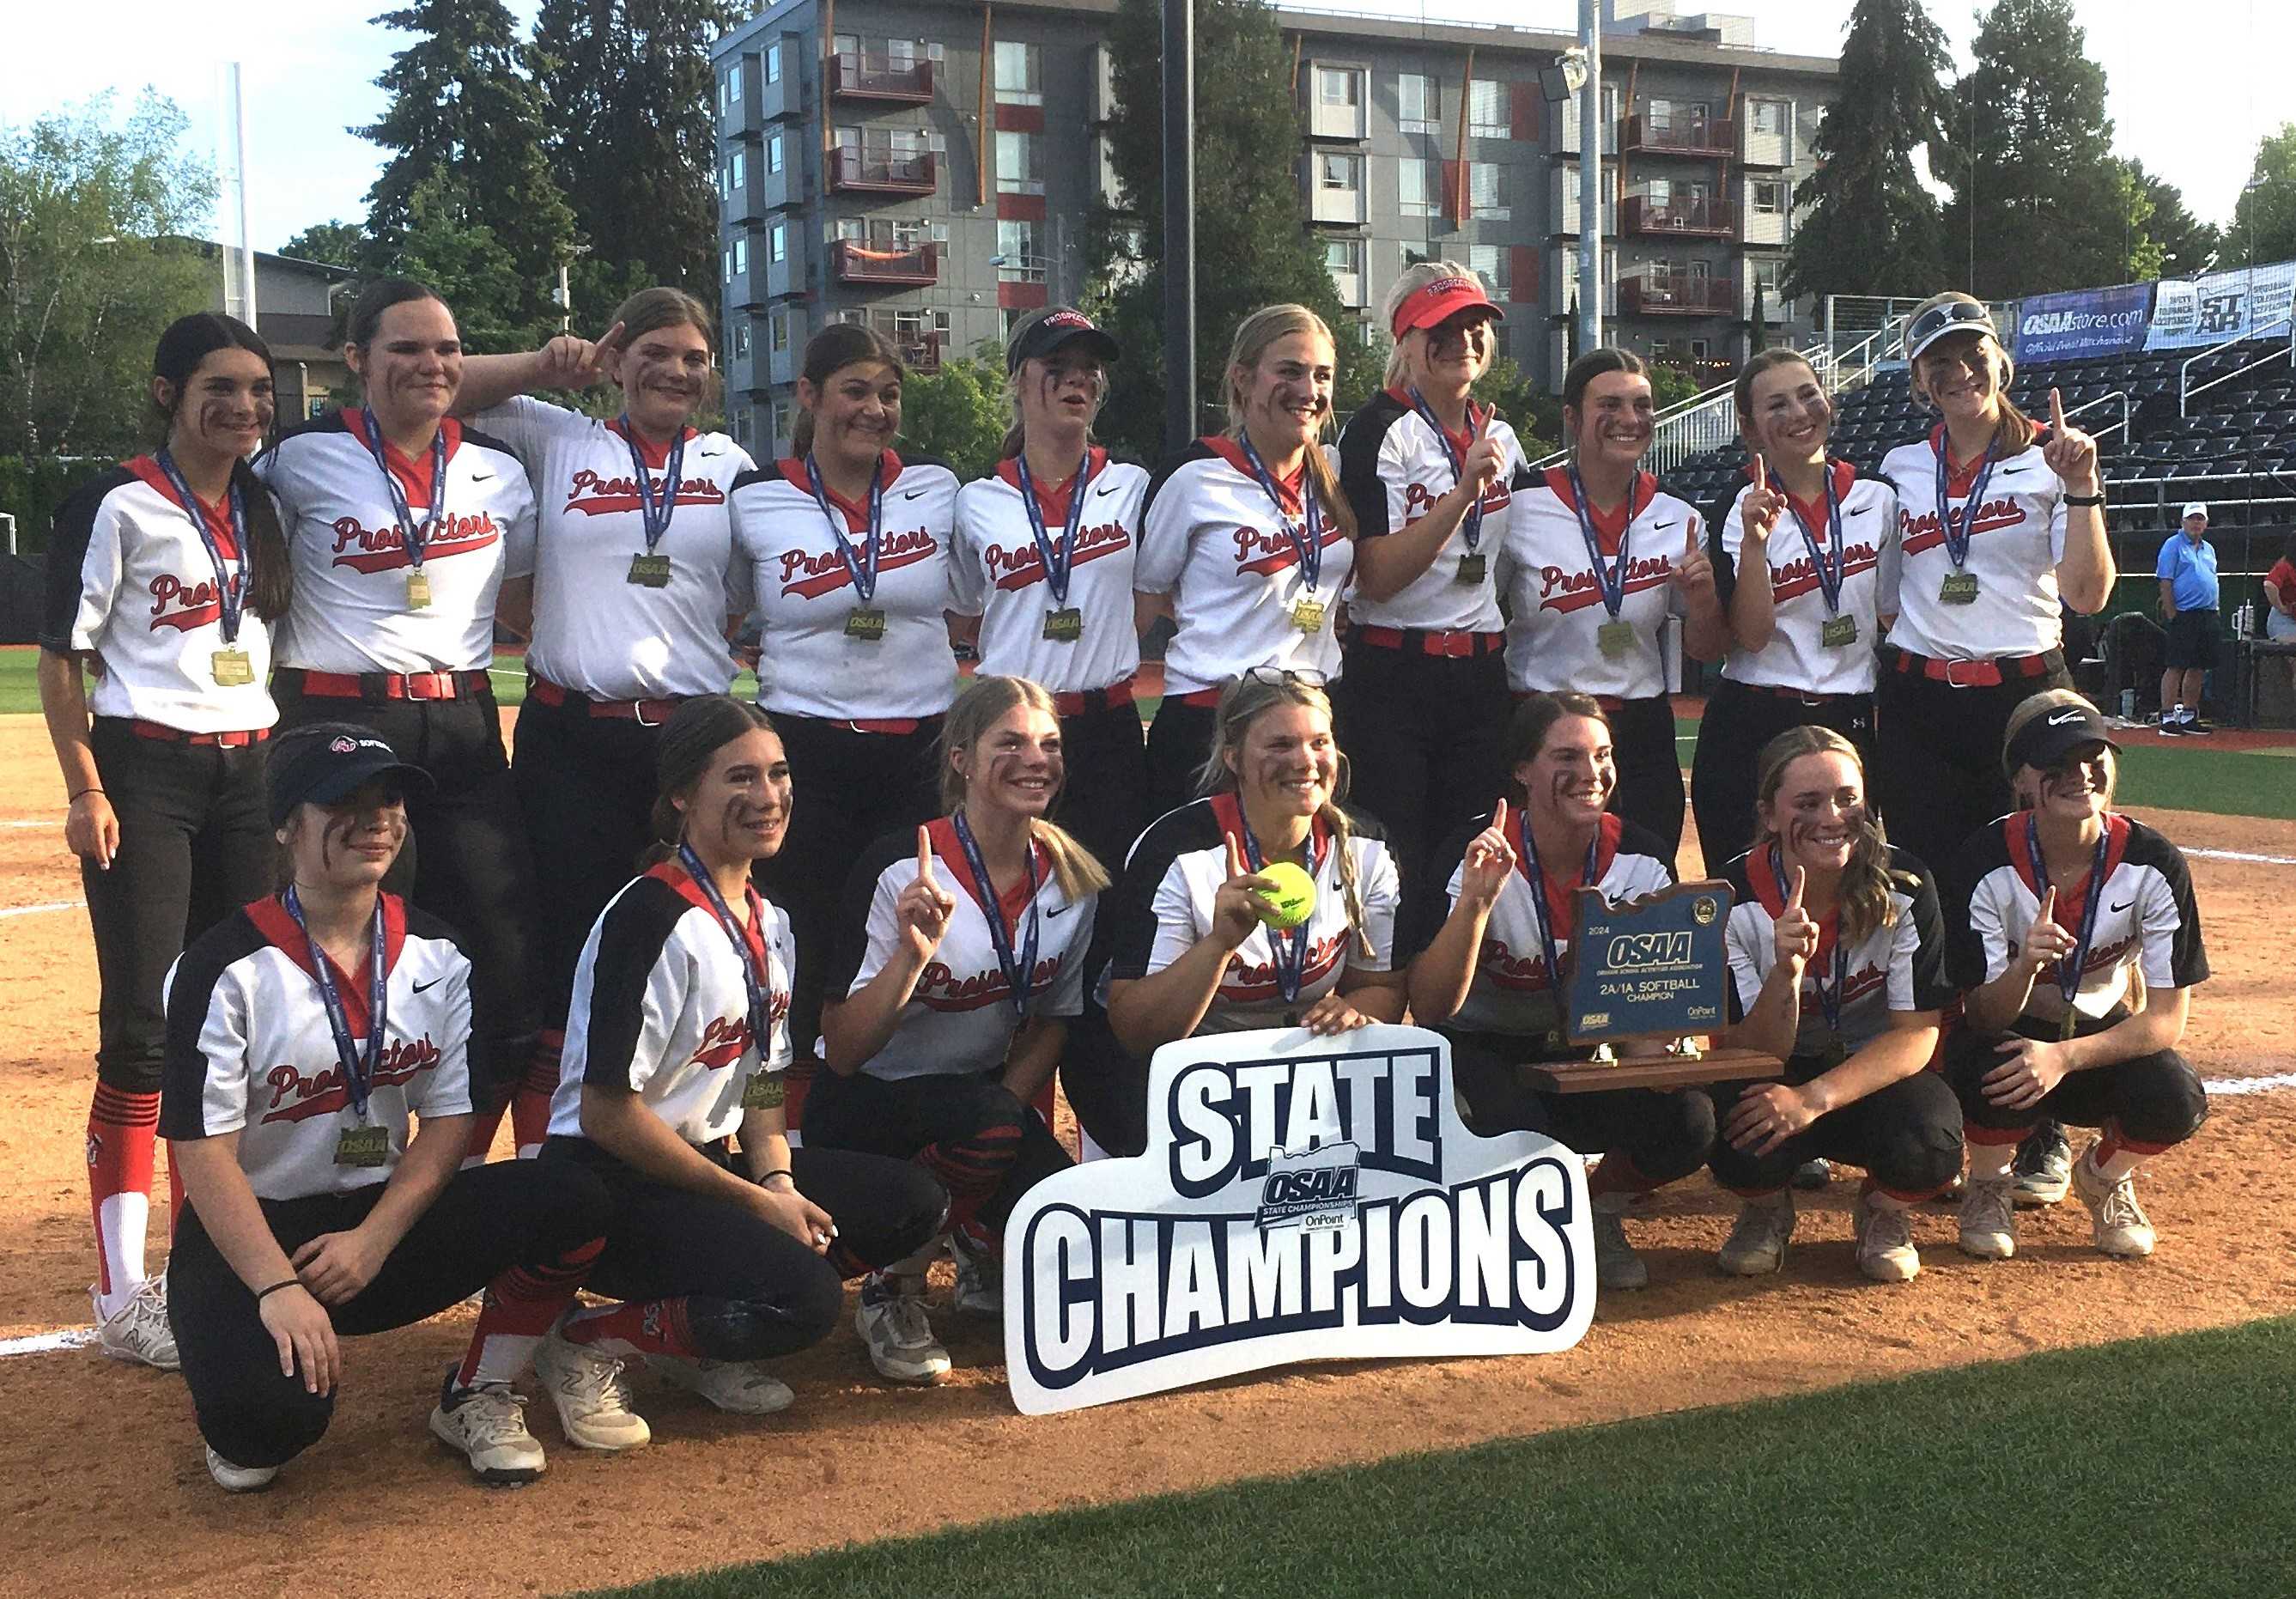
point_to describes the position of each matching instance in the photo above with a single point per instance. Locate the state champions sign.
(1300, 1198)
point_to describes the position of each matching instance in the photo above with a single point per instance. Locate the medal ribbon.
(1308, 544)
(1956, 545)
(1019, 971)
(1057, 558)
(230, 582)
(1829, 579)
(862, 567)
(656, 513)
(1612, 581)
(1536, 876)
(2069, 970)
(358, 1066)
(1292, 947)
(753, 976)
(1471, 525)
(416, 537)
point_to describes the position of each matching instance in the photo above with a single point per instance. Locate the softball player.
(303, 1031)
(392, 626)
(1837, 967)
(1596, 558)
(850, 544)
(164, 574)
(1247, 543)
(1430, 476)
(634, 593)
(2054, 905)
(1801, 554)
(1486, 942)
(1180, 948)
(676, 1050)
(1043, 573)
(953, 1006)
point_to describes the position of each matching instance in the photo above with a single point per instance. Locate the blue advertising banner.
(2087, 322)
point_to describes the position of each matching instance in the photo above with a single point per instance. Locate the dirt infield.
(106, 1493)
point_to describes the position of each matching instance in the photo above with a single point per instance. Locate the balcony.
(868, 75)
(1698, 218)
(880, 172)
(920, 352)
(916, 266)
(1677, 294)
(1675, 134)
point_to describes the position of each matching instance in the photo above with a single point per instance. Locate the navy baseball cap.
(1056, 328)
(2043, 742)
(328, 761)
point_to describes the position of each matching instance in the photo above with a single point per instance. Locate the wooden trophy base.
(1658, 1071)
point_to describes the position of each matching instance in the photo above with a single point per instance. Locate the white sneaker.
(740, 1385)
(138, 1331)
(586, 1390)
(1988, 1219)
(1757, 1244)
(239, 1479)
(1616, 1266)
(2123, 1230)
(1885, 1240)
(486, 1426)
(893, 1324)
(979, 1276)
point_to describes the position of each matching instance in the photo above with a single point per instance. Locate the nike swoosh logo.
(1660, 526)
(1063, 911)
(1861, 511)
(433, 983)
(482, 477)
(2063, 717)
(2123, 906)
(1105, 489)
(912, 494)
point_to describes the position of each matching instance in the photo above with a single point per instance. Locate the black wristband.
(779, 1171)
(275, 1287)
(2084, 499)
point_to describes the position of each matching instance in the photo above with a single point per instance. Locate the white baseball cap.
(2197, 509)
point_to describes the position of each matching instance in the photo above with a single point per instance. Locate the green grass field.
(2153, 1468)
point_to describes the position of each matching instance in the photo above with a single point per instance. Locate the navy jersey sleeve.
(849, 935)
(200, 1031)
(1359, 449)
(1965, 958)
(1124, 934)
(71, 539)
(636, 990)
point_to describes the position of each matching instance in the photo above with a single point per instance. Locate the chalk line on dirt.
(35, 910)
(2241, 855)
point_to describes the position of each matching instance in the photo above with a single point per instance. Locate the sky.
(2189, 99)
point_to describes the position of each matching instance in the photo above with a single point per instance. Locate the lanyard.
(1471, 525)
(862, 567)
(2069, 970)
(416, 537)
(231, 583)
(358, 1067)
(1057, 558)
(1612, 581)
(656, 513)
(1537, 878)
(1292, 947)
(1956, 545)
(1308, 544)
(1829, 579)
(1829, 1002)
(1020, 971)
(753, 976)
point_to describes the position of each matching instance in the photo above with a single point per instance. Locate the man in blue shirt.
(2187, 571)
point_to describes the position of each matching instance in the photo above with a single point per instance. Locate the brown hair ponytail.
(188, 341)
(690, 740)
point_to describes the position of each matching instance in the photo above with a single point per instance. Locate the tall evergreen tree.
(2264, 222)
(1872, 227)
(2183, 244)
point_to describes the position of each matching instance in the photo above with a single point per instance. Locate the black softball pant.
(1663, 1134)
(751, 1291)
(2156, 1100)
(1907, 1136)
(1650, 772)
(1179, 742)
(985, 1147)
(1104, 801)
(466, 860)
(851, 789)
(1937, 756)
(195, 844)
(1724, 772)
(1107, 1089)
(1422, 735)
(485, 1220)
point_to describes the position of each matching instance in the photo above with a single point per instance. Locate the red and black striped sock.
(638, 1327)
(521, 1308)
(972, 1168)
(122, 1131)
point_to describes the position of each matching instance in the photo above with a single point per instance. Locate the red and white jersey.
(999, 576)
(1393, 467)
(1213, 541)
(2015, 544)
(2146, 916)
(129, 579)
(352, 611)
(1163, 905)
(960, 1020)
(1512, 991)
(1896, 967)
(250, 1051)
(815, 657)
(1798, 656)
(663, 1009)
(1553, 635)
(595, 631)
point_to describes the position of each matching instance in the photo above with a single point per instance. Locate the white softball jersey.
(662, 1007)
(999, 576)
(1512, 991)
(1163, 905)
(352, 611)
(1554, 634)
(250, 1051)
(1900, 966)
(1393, 467)
(596, 630)
(2147, 915)
(129, 580)
(2016, 540)
(961, 1020)
(1213, 541)
(1798, 656)
(823, 652)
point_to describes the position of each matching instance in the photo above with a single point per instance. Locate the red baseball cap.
(1445, 297)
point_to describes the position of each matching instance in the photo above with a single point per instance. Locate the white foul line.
(2242, 855)
(34, 910)
(42, 1343)
(2252, 1085)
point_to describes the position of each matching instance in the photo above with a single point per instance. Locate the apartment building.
(931, 166)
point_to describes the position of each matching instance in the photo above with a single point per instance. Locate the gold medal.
(649, 571)
(2067, 1023)
(1616, 640)
(1064, 627)
(362, 1146)
(233, 669)
(1470, 570)
(1959, 589)
(1307, 615)
(764, 1092)
(868, 626)
(1839, 632)
(418, 590)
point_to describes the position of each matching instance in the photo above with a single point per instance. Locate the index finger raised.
(924, 856)
(610, 339)
(1499, 814)
(2057, 411)
(2048, 911)
(1793, 890)
(1235, 858)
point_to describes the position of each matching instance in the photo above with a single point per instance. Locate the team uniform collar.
(1841, 473)
(657, 455)
(414, 477)
(1229, 811)
(856, 511)
(1287, 487)
(1562, 883)
(1479, 417)
(217, 516)
(1053, 500)
(272, 919)
(1609, 526)
(673, 872)
(2031, 873)
(1962, 477)
(1012, 904)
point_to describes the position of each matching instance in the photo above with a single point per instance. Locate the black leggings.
(1739, 721)
(1179, 742)
(1937, 757)
(488, 1219)
(2156, 1100)
(986, 1148)
(1106, 1088)
(1662, 1133)
(1650, 772)
(1104, 801)
(1907, 1136)
(1422, 735)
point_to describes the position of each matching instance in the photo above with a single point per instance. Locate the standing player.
(164, 574)
(1247, 541)
(1486, 946)
(850, 544)
(1802, 555)
(2054, 905)
(1428, 474)
(403, 525)
(2187, 573)
(1597, 559)
(952, 1006)
(1043, 571)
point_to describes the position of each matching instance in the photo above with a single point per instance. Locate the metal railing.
(2187, 388)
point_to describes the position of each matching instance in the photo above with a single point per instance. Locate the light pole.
(1578, 71)
(1179, 223)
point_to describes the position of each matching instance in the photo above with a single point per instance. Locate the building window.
(1017, 261)
(741, 254)
(1343, 256)
(741, 341)
(1019, 163)
(1419, 187)
(1020, 74)
(773, 63)
(777, 332)
(1769, 197)
(1418, 103)
(1339, 174)
(1339, 87)
(729, 262)
(774, 430)
(773, 152)
(1486, 113)
(1483, 191)
(777, 243)
(1771, 117)
(734, 81)
(737, 172)
(1490, 264)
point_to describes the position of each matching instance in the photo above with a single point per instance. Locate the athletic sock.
(636, 1327)
(2116, 1156)
(519, 1308)
(1881, 1199)
(530, 1109)
(122, 1129)
(972, 1168)
(1618, 1175)
(484, 1124)
(1992, 1152)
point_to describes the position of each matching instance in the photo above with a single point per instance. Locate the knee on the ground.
(798, 1315)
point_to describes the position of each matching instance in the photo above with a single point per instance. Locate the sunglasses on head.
(1939, 320)
(1275, 676)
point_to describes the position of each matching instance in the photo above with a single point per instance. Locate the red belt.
(1610, 703)
(1081, 701)
(177, 735)
(1454, 645)
(383, 685)
(646, 713)
(1979, 674)
(1206, 697)
(892, 725)
(1800, 696)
